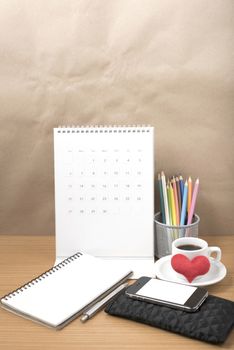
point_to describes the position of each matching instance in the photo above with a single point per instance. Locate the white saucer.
(165, 272)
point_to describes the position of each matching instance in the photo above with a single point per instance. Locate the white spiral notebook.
(104, 193)
(62, 293)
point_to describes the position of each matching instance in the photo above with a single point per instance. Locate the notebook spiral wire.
(80, 129)
(43, 276)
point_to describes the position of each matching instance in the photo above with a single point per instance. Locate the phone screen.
(171, 292)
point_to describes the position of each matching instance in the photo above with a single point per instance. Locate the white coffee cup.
(187, 246)
(178, 244)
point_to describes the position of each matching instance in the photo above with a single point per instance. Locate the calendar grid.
(104, 183)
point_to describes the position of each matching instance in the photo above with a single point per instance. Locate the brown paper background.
(164, 63)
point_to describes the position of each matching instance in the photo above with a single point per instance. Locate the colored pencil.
(190, 188)
(161, 199)
(165, 197)
(178, 194)
(181, 187)
(173, 211)
(169, 204)
(176, 201)
(184, 204)
(193, 202)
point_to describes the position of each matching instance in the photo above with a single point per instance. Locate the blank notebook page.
(66, 290)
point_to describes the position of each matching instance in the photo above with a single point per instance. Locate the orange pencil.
(190, 189)
(176, 201)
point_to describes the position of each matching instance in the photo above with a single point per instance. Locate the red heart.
(198, 266)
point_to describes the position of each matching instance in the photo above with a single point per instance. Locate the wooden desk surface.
(24, 257)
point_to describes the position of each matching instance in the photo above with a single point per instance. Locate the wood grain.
(24, 257)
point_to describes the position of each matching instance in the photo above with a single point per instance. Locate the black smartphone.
(175, 295)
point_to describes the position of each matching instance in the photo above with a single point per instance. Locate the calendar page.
(104, 191)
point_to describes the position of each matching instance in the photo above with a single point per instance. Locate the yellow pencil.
(169, 204)
(176, 201)
(190, 189)
(173, 206)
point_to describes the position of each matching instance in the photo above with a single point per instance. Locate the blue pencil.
(161, 199)
(184, 204)
(181, 187)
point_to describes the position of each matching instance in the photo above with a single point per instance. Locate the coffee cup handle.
(216, 250)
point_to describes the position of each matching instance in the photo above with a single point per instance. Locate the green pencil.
(161, 199)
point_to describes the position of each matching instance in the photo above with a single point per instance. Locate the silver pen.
(102, 303)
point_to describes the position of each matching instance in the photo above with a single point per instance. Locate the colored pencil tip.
(159, 176)
(181, 177)
(186, 183)
(197, 181)
(190, 178)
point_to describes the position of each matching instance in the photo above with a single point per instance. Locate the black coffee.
(189, 247)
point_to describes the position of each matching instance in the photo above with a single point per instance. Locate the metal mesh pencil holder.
(164, 234)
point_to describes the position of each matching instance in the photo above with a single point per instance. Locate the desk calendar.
(104, 191)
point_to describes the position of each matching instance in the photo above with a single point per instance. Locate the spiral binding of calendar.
(43, 276)
(103, 129)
